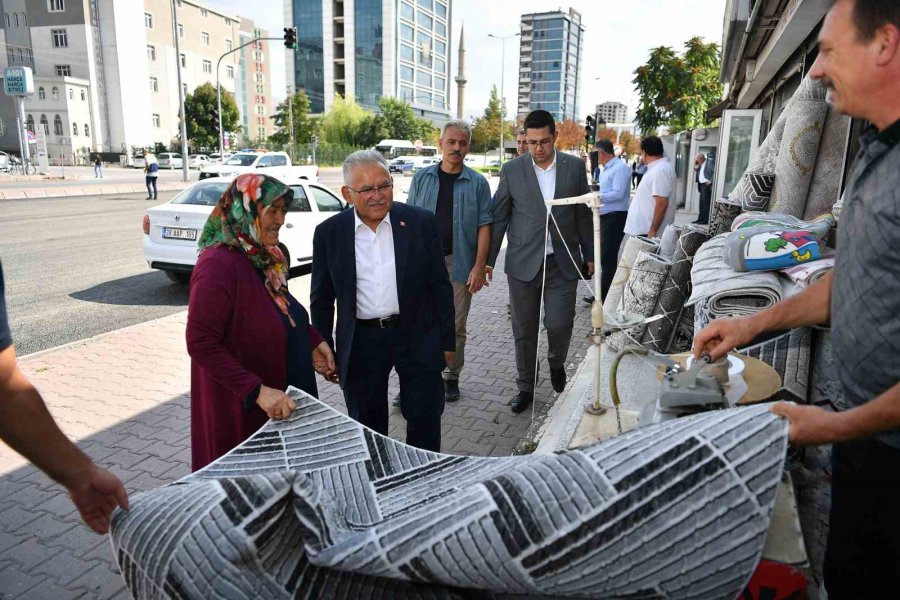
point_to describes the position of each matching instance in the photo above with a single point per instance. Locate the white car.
(139, 161)
(198, 161)
(169, 160)
(215, 158)
(172, 229)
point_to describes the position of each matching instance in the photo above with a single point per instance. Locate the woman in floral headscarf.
(248, 338)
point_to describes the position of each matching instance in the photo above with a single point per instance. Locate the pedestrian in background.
(151, 168)
(460, 199)
(615, 190)
(703, 173)
(98, 167)
(28, 428)
(639, 167)
(520, 214)
(383, 265)
(653, 206)
(248, 337)
(521, 146)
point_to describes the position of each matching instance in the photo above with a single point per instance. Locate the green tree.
(486, 130)
(342, 123)
(304, 125)
(200, 109)
(677, 90)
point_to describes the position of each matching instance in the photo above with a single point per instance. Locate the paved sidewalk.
(124, 397)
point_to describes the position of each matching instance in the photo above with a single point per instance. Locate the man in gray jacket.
(520, 213)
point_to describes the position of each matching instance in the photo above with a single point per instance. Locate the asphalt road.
(74, 269)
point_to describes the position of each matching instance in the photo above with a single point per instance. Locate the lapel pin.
(402, 223)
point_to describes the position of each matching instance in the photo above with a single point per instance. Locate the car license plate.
(175, 233)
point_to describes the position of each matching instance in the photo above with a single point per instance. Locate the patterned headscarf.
(235, 222)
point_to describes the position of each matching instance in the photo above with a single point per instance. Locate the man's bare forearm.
(484, 245)
(659, 213)
(812, 306)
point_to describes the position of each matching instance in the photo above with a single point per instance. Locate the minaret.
(461, 75)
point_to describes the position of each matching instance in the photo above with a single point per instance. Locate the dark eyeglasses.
(369, 192)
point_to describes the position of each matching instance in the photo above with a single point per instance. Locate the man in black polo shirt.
(859, 61)
(29, 429)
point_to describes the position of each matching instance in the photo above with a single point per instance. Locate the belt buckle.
(382, 322)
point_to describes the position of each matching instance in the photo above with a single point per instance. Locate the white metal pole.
(23, 137)
(502, 91)
(184, 145)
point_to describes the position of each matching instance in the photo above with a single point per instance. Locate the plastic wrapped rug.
(633, 245)
(641, 293)
(319, 507)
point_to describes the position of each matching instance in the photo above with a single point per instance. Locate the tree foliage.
(342, 123)
(607, 133)
(677, 90)
(631, 144)
(570, 135)
(395, 120)
(304, 125)
(486, 129)
(200, 109)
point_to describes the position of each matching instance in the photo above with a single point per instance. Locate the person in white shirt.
(383, 265)
(653, 205)
(703, 172)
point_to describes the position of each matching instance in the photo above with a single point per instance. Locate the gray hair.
(461, 125)
(363, 157)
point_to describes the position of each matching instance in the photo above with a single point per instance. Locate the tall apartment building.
(254, 90)
(550, 50)
(366, 49)
(612, 112)
(105, 70)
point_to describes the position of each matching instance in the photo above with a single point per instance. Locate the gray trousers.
(559, 317)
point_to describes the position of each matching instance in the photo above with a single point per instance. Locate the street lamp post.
(502, 90)
(184, 144)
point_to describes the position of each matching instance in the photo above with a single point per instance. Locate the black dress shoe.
(451, 390)
(396, 401)
(558, 379)
(521, 401)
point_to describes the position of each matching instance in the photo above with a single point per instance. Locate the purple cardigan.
(236, 340)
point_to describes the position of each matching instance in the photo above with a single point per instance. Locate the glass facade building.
(550, 51)
(368, 49)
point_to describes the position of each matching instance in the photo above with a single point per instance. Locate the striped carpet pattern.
(319, 507)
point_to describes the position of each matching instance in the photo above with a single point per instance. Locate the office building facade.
(374, 48)
(550, 50)
(612, 112)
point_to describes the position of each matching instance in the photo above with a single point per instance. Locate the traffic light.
(590, 130)
(290, 38)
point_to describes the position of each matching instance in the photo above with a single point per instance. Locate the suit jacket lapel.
(348, 250)
(401, 243)
(559, 191)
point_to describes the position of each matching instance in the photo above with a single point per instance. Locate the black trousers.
(705, 196)
(612, 232)
(862, 559)
(375, 352)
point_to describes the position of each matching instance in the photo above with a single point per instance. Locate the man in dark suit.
(703, 173)
(383, 265)
(520, 214)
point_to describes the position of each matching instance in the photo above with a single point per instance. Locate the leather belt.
(381, 323)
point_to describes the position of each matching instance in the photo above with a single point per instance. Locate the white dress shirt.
(376, 272)
(659, 180)
(700, 172)
(547, 182)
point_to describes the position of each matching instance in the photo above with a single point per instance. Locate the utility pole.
(184, 144)
(502, 94)
(291, 113)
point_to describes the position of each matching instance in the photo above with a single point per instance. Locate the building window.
(56, 5)
(57, 125)
(154, 84)
(24, 19)
(9, 55)
(407, 11)
(21, 56)
(71, 94)
(207, 66)
(75, 129)
(83, 97)
(440, 10)
(16, 18)
(184, 89)
(2, 128)
(42, 95)
(204, 37)
(229, 45)
(151, 52)
(148, 20)
(227, 22)
(87, 130)
(156, 120)
(64, 71)
(204, 13)
(60, 38)
(406, 73)
(183, 61)
(54, 93)
(407, 53)
(424, 21)
(29, 123)
(180, 30)
(8, 23)
(426, 4)
(229, 72)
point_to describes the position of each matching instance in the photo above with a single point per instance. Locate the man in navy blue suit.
(383, 265)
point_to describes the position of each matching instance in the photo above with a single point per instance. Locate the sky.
(618, 39)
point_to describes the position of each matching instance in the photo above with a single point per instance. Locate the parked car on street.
(274, 163)
(216, 158)
(400, 165)
(198, 161)
(138, 160)
(172, 229)
(169, 160)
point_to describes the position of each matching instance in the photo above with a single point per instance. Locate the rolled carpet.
(724, 214)
(683, 334)
(641, 292)
(789, 354)
(730, 293)
(669, 240)
(676, 289)
(633, 245)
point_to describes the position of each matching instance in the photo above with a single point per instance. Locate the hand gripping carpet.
(319, 507)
